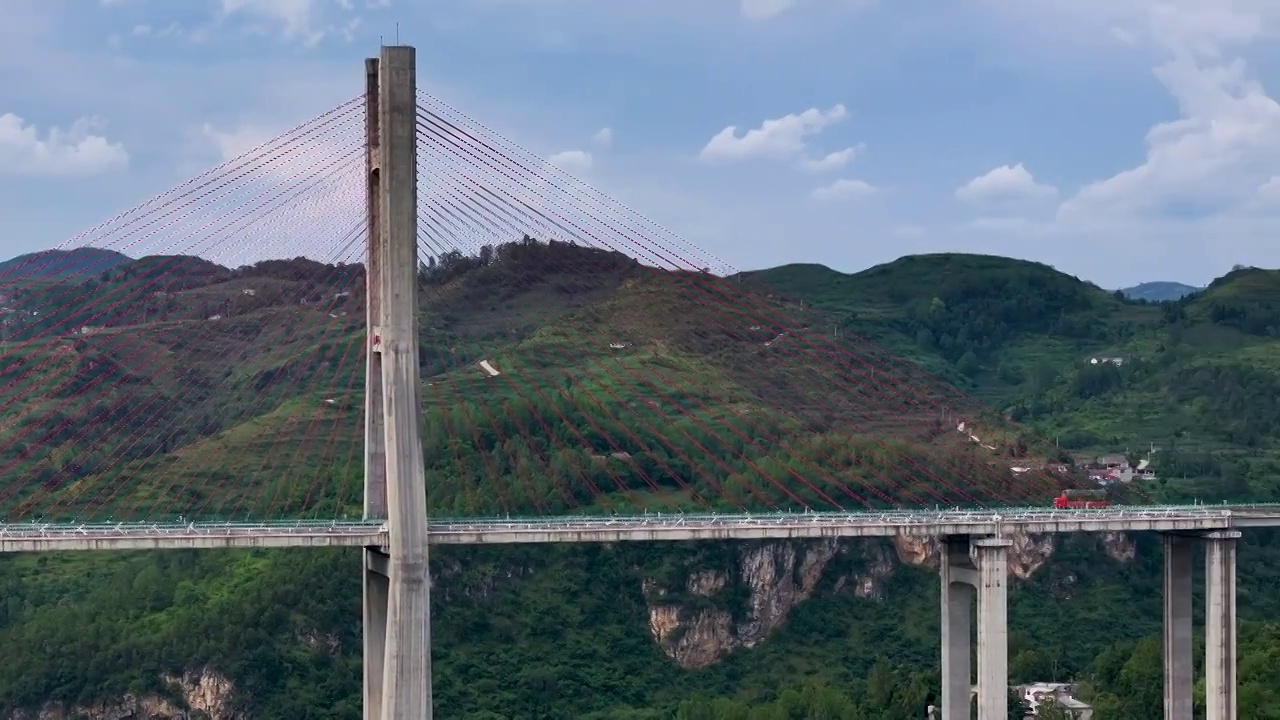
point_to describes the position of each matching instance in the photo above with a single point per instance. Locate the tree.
(1019, 709)
(1050, 709)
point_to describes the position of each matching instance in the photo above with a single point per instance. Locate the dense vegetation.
(620, 388)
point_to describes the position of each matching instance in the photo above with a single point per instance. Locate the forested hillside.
(619, 389)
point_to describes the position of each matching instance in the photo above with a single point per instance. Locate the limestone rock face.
(721, 609)
(773, 577)
(1119, 547)
(1028, 553)
(203, 695)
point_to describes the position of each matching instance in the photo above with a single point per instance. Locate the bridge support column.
(1179, 671)
(1220, 625)
(959, 578)
(993, 628)
(376, 596)
(968, 564)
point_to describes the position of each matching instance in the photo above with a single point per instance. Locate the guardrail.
(641, 526)
(161, 529)
(908, 518)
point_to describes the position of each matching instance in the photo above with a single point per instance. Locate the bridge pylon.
(397, 624)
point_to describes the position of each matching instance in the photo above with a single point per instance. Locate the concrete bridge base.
(377, 596)
(975, 566)
(979, 567)
(1219, 631)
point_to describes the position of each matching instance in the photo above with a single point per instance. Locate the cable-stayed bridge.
(391, 327)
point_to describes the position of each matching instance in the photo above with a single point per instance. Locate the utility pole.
(397, 645)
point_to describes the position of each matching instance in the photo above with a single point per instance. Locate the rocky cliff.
(203, 695)
(721, 609)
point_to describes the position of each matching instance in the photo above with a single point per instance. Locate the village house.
(1106, 469)
(1037, 695)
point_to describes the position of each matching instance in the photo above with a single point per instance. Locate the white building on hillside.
(1037, 695)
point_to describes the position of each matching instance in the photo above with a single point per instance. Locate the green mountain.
(81, 262)
(1159, 291)
(784, 374)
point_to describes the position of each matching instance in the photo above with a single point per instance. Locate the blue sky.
(1119, 140)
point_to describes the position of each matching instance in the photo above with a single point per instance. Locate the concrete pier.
(1220, 625)
(993, 628)
(1179, 670)
(1219, 631)
(970, 564)
(376, 595)
(959, 579)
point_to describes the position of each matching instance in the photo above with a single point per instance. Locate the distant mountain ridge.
(1159, 291)
(60, 264)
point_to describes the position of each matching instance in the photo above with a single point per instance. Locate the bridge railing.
(905, 519)
(152, 529)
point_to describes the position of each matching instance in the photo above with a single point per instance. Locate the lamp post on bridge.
(397, 625)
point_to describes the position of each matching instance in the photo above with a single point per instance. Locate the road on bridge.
(48, 537)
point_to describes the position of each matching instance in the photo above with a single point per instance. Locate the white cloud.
(76, 152)
(1223, 147)
(845, 189)
(832, 161)
(1206, 194)
(765, 9)
(296, 17)
(234, 143)
(1005, 184)
(349, 30)
(282, 154)
(604, 138)
(1200, 26)
(781, 138)
(171, 30)
(295, 197)
(1122, 36)
(572, 160)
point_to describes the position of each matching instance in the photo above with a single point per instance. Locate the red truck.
(1088, 499)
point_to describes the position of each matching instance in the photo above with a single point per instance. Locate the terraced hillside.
(106, 377)
(237, 394)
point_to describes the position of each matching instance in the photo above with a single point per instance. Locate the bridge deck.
(37, 537)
